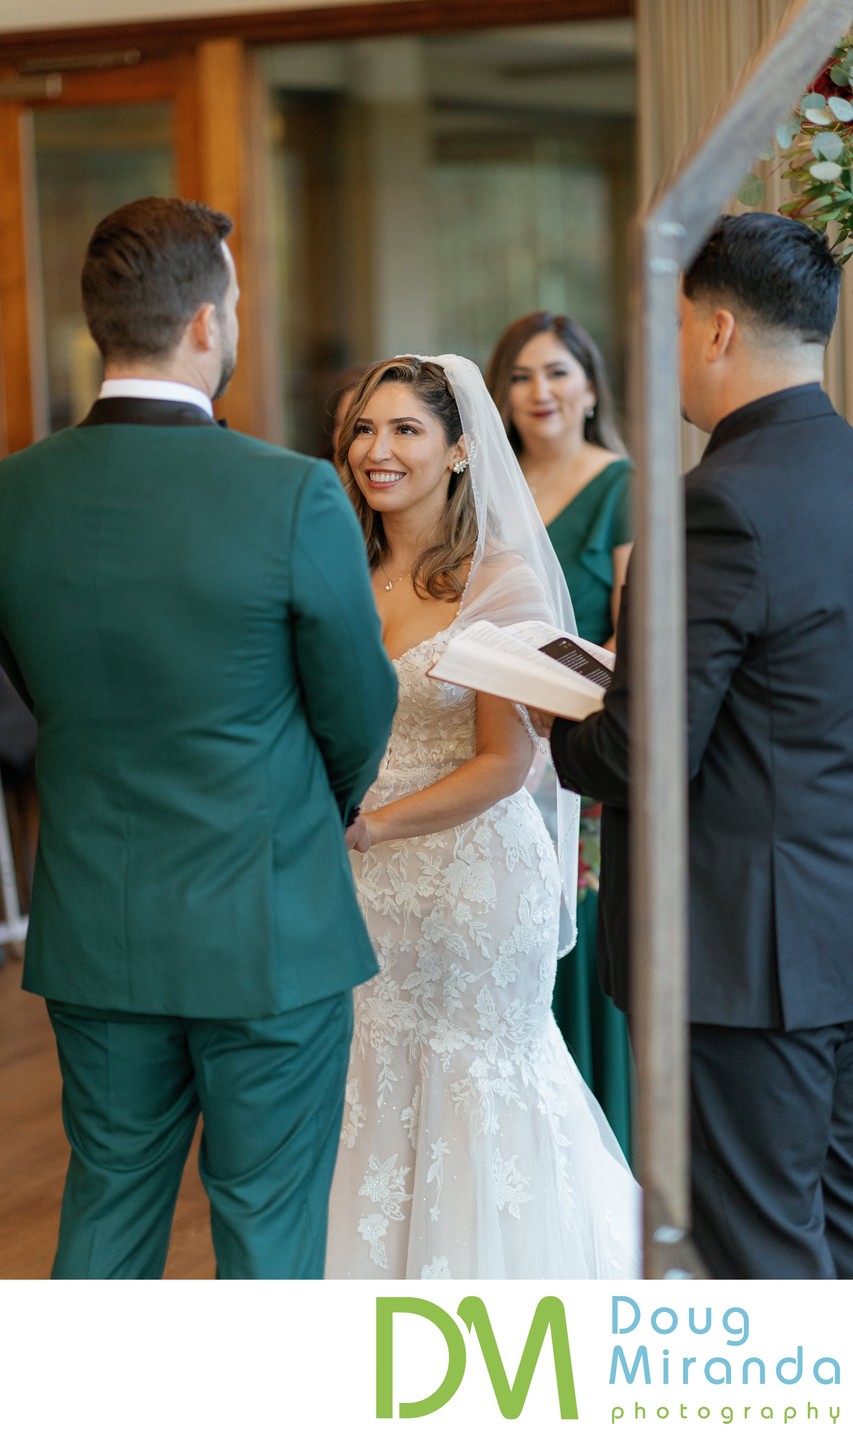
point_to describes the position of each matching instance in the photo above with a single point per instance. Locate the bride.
(471, 1147)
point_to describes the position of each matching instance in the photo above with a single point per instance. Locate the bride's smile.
(382, 478)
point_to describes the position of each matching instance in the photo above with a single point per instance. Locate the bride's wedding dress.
(471, 1147)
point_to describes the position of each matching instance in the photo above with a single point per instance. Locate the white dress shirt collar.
(155, 389)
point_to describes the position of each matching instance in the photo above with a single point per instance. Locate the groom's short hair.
(149, 266)
(771, 271)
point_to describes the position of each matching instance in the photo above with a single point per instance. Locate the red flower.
(826, 86)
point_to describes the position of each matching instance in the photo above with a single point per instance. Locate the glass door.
(107, 138)
(88, 161)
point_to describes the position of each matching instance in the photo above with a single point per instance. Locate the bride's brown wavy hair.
(439, 569)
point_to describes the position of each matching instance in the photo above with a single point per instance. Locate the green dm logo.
(510, 1396)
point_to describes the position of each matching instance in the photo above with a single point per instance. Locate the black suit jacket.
(769, 570)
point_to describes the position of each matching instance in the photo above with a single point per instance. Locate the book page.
(524, 642)
(499, 661)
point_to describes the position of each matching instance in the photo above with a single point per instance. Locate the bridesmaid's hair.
(601, 428)
(439, 570)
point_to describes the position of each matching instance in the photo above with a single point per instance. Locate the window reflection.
(429, 190)
(88, 161)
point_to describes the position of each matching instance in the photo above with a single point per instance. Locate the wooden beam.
(290, 26)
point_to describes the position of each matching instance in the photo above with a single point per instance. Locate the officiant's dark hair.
(149, 266)
(776, 271)
(440, 570)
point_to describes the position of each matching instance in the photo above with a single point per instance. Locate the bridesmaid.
(548, 381)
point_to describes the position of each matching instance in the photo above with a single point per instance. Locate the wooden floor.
(34, 1152)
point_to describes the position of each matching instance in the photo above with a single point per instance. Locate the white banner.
(232, 1359)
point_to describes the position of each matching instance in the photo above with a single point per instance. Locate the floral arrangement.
(816, 146)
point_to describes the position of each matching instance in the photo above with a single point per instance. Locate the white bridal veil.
(515, 575)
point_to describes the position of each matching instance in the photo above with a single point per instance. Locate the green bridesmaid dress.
(584, 535)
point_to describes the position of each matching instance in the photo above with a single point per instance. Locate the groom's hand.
(357, 835)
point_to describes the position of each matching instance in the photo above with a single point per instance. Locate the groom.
(769, 540)
(187, 612)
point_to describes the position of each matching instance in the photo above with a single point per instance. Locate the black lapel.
(124, 410)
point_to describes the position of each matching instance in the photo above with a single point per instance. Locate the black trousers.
(772, 1151)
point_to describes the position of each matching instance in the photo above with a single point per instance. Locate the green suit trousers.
(270, 1093)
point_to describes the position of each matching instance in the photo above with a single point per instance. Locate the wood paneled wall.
(690, 54)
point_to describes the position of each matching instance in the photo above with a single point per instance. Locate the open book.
(531, 664)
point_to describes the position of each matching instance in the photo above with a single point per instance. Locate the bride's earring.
(460, 466)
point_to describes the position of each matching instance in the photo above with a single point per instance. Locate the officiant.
(769, 534)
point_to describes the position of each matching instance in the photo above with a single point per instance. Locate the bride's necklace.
(391, 582)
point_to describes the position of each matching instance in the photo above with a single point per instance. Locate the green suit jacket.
(188, 613)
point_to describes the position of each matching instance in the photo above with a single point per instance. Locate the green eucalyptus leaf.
(841, 108)
(839, 76)
(828, 146)
(784, 135)
(751, 192)
(820, 117)
(767, 154)
(813, 101)
(825, 170)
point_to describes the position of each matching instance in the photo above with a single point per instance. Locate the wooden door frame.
(214, 91)
(21, 356)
